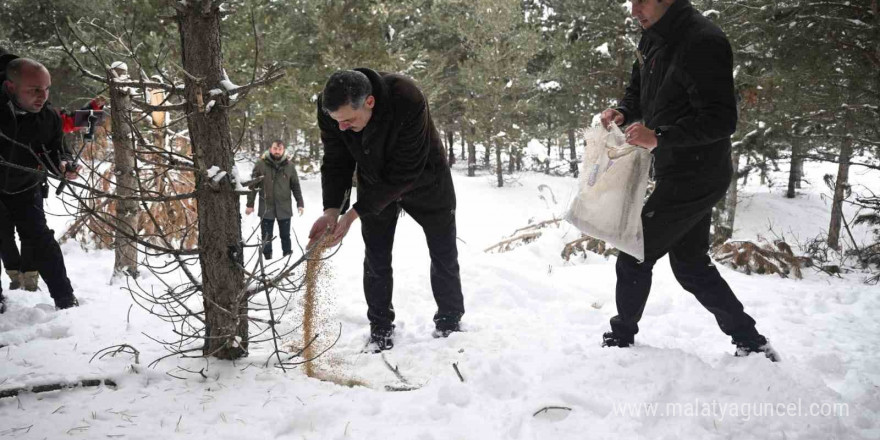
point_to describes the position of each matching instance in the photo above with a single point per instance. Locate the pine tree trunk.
(463, 147)
(572, 148)
(793, 171)
(498, 166)
(841, 184)
(450, 140)
(487, 157)
(125, 249)
(226, 325)
(726, 208)
(511, 161)
(472, 153)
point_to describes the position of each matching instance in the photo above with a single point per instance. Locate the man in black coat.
(31, 139)
(379, 124)
(681, 89)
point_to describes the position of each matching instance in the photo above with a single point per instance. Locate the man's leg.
(29, 275)
(266, 226)
(433, 208)
(30, 221)
(631, 295)
(284, 233)
(440, 232)
(9, 250)
(669, 214)
(378, 232)
(695, 272)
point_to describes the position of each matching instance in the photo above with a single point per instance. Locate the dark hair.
(345, 87)
(277, 141)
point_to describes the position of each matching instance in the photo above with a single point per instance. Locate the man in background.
(31, 145)
(279, 181)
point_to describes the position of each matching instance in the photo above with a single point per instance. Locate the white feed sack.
(612, 185)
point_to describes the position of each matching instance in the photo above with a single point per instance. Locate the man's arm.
(631, 106)
(337, 167)
(294, 186)
(708, 76)
(405, 162)
(257, 172)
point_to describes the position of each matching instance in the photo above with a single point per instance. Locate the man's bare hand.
(343, 226)
(610, 116)
(326, 222)
(639, 135)
(71, 172)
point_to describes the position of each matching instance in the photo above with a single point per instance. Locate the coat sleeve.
(630, 106)
(257, 172)
(708, 77)
(406, 161)
(338, 165)
(57, 149)
(295, 188)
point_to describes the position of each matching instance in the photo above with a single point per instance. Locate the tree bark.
(793, 170)
(726, 209)
(511, 161)
(226, 325)
(498, 166)
(125, 249)
(450, 140)
(572, 148)
(472, 152)
(841, 184)
(487, 157)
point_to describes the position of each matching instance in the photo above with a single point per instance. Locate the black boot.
(758, 344)
(443, 329)
(380, 339)
(2, 303)
(610, 339)
(66, 303)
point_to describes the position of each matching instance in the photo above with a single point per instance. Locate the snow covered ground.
(533, 328)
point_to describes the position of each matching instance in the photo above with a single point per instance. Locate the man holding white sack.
(680, 106)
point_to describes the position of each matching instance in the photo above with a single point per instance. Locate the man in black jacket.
(380, 125)
(31, 140)
(682, 90)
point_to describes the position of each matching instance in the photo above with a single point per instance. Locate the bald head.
(28, 82)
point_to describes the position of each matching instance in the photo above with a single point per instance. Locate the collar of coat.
(670, 27)
(9, 101)
(267, 156)
(382, 110)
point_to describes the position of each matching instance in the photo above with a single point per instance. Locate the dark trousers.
(26, 211)
(266, 227)
(12, 259)
(676, 220)
(434, 210)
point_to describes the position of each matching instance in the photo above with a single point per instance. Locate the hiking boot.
(66, 303)
(757, 344)
(31, 281)
(444, 329)
(267, 256)
(2, 303)
(14, 279)
(609, 339)
(380, 339)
